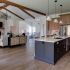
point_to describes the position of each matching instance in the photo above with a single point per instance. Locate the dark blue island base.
(50, 52)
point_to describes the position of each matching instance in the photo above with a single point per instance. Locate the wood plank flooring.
(22, 58)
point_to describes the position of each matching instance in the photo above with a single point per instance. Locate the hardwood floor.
(22, 58)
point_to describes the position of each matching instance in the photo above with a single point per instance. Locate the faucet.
(54, 35)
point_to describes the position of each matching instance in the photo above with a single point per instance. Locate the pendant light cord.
(55, 7)
(61, 11)
(47, 14)
(48, 7)
(6, 16)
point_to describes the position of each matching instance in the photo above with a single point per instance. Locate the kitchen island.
(50, 49)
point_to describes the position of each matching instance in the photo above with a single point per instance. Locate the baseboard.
(4, 46)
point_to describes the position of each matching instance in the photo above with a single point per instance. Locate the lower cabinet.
(68, 44)
(40, 50)
(44, 51)
(59, 49)
(50, 52)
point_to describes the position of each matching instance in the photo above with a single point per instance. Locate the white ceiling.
(39, 5)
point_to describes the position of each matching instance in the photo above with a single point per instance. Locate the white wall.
(13, 21)
(22, 25)
(68, 30)
(40, 24)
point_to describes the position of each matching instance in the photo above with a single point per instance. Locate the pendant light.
(55, 20)
(48, 17)
(61, 16)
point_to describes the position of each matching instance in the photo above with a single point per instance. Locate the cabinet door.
(68, 44)
(57, 51)
(49, 51)
(60, 49)
(40, 50)
(63, 47)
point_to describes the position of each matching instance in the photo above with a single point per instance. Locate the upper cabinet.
(55, 26)
(66, 19)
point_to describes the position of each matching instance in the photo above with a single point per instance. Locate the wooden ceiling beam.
(3, 7)
(19, 8)
(3, 1)
(23, 7)
(13, 13)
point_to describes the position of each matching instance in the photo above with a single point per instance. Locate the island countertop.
(51, 49)
(51, 39)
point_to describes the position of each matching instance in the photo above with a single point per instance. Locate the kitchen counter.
(51, 39)
(50, 50)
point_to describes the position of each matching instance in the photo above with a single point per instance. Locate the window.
(68, 30)
(31, 30)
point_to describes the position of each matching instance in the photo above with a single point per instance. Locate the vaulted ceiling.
(41, 5)
(34, 8)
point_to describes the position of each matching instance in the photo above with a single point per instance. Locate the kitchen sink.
(58, 38)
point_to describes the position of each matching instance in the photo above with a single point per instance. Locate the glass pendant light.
(61, 16)
(55, 20)
(60, 22)
(48, 17)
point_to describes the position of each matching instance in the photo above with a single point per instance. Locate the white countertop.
(51, 39)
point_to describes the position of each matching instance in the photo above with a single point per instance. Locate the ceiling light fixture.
(48, 17)
(55, 20)
(61, 15)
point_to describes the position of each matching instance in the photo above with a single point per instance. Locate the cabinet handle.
(57, 43)
(64, 46)
(43, 42)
